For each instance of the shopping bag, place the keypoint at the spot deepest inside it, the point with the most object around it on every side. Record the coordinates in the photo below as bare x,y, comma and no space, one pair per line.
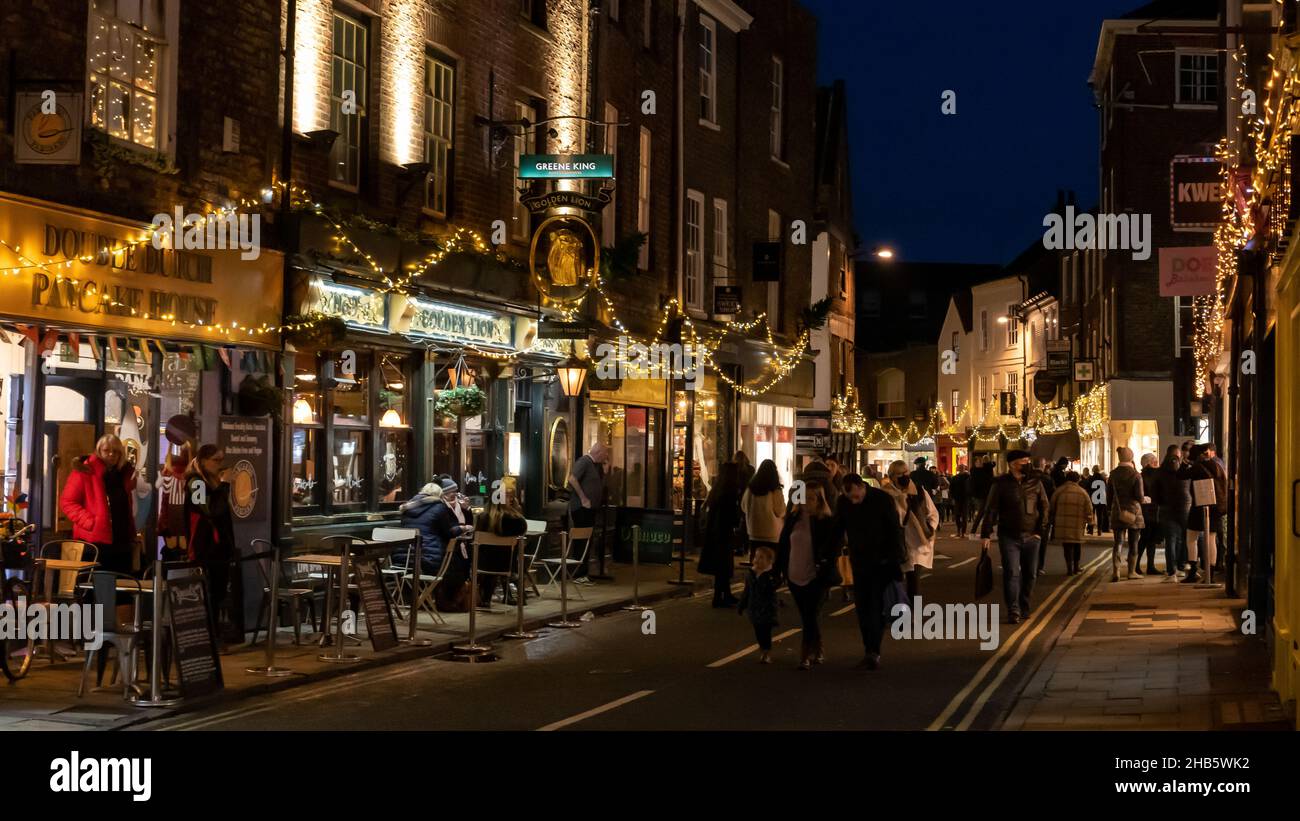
983,575
895,594
846,569
1203,492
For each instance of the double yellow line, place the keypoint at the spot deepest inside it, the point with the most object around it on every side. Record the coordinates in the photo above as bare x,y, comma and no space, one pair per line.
1025,637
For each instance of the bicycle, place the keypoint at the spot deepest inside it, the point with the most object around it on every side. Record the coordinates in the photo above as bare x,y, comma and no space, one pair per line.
16,654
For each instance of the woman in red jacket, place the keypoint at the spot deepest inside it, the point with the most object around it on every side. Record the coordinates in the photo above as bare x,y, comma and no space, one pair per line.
98,500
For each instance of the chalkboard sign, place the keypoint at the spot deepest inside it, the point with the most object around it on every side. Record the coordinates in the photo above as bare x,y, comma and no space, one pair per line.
661,535
193,645
374,599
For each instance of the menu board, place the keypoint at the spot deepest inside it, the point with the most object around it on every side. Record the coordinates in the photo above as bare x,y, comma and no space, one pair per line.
194,647
661,534
374,599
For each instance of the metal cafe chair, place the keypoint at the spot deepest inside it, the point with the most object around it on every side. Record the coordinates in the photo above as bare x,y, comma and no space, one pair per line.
555,564
537,535
67,586
124,638
294,597
492,541
395,572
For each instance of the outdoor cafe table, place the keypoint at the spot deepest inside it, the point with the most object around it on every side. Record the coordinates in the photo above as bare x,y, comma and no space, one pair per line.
324,560
49,567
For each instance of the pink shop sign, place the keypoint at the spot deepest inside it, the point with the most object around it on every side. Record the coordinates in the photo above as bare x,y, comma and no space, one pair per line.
1187,271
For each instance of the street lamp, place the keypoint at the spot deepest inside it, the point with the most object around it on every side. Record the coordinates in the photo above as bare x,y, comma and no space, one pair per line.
572,374
885,253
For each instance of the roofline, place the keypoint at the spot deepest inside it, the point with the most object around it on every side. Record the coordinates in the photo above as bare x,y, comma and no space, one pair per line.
727,13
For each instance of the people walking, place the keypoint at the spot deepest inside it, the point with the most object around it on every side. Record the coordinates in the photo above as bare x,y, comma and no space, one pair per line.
759,599
1071,513
924,479
722,517
1097,488
981,481
959,486
868,519
807,557
919,519
1150,511
1018,507
1173,503
1125,492
211,524
763,504
1204,519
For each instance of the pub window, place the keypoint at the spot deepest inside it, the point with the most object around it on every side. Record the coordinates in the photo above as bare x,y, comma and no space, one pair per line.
127,55
347,91
439,106
708,70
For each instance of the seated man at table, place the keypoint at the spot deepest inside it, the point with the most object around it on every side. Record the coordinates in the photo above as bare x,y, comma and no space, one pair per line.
429,514
505,518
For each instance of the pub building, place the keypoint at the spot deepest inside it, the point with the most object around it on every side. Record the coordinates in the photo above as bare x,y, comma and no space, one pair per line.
103,333
395,379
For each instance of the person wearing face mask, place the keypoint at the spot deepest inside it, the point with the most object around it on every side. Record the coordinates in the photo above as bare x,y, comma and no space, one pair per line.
919,519
1017,506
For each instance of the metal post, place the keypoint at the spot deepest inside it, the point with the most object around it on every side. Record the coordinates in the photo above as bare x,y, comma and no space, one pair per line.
636,570
564,589
155,698
272,616
519,632
413,613
340,657
473,651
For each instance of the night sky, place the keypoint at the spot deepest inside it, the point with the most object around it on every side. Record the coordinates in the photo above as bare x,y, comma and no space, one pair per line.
973,187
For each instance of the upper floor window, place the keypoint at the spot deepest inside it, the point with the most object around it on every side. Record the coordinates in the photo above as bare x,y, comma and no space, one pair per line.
439,106
721,243
956,345
348,99
693,284
1013,327
643,198
984,330
776,115
891,401
525,143
708,70
1198,77
534,11
126,56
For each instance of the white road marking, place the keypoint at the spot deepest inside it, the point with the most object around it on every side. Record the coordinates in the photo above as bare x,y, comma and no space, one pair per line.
604,708
957,700
962,562
843,610
751,648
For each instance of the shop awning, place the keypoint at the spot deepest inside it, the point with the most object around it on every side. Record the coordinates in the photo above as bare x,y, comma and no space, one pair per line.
1052,446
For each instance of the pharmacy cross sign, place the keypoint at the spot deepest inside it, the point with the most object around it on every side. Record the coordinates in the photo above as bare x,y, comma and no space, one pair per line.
566,166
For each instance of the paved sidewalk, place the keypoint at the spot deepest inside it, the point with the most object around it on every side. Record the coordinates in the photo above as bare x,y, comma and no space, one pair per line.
1151,654
47,698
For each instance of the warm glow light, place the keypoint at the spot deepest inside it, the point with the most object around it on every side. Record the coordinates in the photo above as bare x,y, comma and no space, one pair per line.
311,68
390,419
885,253
514,453
1002,320
404,64
302,414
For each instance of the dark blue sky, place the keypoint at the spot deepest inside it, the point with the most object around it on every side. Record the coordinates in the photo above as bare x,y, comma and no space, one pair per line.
971,187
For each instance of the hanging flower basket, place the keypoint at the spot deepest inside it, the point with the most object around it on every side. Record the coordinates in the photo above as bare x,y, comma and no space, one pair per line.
460,402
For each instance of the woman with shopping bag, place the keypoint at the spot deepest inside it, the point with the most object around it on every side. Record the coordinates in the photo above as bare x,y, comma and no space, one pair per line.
920,520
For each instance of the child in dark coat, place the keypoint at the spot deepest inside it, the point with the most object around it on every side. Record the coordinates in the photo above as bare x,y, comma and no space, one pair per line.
760,600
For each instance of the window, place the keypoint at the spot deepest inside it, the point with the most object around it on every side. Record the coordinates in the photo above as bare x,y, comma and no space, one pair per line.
955,404
776,115
773,288
525,143
721,247
891,402
1013,327
347,91
439,105
534,11
984,330
956,346
984,397
844,273
609,217
126,55
1013,382
708,70
643,198
1198,78
846,365
693,284
648,24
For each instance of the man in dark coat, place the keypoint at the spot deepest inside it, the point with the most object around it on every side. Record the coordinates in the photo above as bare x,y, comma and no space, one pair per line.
1172,506
981,480
926,480
868,518
959,487
1018,506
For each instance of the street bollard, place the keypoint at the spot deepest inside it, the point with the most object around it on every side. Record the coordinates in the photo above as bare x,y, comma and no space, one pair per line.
472,649
272,616
636,570
564,589
519,632
155,698
413,613
340,657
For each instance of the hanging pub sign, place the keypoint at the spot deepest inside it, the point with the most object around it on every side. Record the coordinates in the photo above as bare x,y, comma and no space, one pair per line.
563,260
1194,185
767,262
1044,388
566,166
1058,359
542,203
726,299
1007,403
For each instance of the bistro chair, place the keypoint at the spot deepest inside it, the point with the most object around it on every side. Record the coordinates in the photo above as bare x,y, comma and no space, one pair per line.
69,581
124,638
394,572
494,542
296,598
553,565
537,532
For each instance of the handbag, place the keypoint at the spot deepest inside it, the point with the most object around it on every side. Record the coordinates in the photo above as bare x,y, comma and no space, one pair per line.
1126,517
895,594
983,575
456,601
846,569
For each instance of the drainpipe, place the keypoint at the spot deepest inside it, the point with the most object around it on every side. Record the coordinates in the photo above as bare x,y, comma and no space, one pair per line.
678,150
